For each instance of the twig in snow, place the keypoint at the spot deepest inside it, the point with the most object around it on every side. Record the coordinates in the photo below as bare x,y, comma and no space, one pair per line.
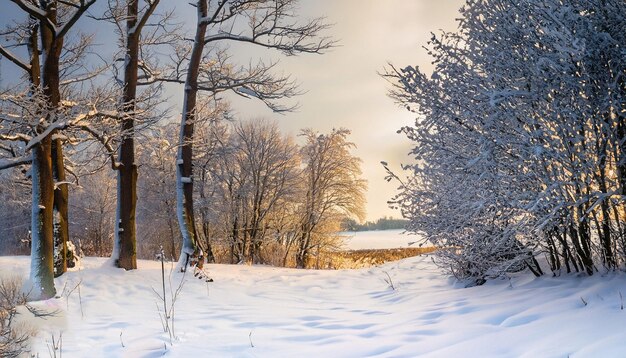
167,313
389,281
40,313
582,299
57,346
250,338
80,298
621,301
121,341
163,277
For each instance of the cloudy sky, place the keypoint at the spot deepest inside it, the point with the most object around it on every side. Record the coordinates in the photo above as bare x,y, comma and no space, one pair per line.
343,88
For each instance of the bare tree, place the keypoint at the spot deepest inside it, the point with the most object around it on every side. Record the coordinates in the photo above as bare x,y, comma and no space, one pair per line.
333,187
206,67
212,134
156,210
93,212
14,206
130,22
269,163
50,22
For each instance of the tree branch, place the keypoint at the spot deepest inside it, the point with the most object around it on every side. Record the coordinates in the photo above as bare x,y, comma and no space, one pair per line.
16,137
13,58
31,9
140,24
77,14
36,13
105,143
6,163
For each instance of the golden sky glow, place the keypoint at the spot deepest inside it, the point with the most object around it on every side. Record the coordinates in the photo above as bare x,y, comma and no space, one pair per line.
344,89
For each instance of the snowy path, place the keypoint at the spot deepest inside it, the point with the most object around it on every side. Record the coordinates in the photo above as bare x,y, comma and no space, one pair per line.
349,313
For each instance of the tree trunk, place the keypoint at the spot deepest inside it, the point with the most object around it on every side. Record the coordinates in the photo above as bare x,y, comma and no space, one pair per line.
302,256
125,249
210,256
184,160
235,257
52,47
206,232
61,227
605,233
170,226
127,202
42,244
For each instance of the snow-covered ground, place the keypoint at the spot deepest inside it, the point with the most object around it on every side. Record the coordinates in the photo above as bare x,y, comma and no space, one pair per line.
380,239
275,312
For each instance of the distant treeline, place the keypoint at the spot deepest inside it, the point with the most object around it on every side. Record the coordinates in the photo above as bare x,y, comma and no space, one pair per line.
384,223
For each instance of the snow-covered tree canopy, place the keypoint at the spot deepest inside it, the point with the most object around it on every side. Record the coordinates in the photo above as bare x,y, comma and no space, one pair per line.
520,138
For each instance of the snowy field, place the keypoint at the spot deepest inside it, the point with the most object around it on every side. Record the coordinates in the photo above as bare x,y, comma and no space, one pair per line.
275,312
381,239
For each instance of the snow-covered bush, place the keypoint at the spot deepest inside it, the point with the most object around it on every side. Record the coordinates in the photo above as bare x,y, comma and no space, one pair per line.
519,139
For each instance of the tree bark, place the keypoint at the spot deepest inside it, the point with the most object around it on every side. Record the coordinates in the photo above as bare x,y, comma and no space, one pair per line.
184,162
42,245
42,242
52,46
61,223
302,256
210,257
125,251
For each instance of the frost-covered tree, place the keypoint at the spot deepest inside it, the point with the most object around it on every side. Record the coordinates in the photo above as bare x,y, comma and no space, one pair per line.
519,138
252,169
213,134
40,114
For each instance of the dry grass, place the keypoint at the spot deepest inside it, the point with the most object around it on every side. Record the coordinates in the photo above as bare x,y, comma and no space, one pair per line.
365,258
274,254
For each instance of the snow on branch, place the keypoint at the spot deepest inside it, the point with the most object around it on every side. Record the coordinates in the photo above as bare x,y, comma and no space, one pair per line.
30,9
40,14
144,18
13,58
78,122
268,26
6,163
81,7
16,137
51,128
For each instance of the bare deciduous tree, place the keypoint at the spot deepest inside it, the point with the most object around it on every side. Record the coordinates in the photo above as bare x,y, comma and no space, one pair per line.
206,67
50,22
333,186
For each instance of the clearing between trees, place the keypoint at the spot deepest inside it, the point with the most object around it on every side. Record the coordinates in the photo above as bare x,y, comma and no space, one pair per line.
261,311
